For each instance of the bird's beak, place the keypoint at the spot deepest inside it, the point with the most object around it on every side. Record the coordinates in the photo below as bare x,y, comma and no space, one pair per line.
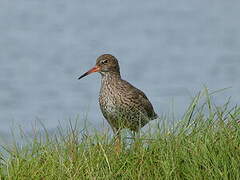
94,69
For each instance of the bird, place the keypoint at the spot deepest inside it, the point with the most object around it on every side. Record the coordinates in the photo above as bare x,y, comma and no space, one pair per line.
122,104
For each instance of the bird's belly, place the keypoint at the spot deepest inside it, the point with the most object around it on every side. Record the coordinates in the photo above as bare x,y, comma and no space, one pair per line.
119,114
119,117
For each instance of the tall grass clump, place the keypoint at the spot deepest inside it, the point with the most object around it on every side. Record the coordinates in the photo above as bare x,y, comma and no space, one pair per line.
204,144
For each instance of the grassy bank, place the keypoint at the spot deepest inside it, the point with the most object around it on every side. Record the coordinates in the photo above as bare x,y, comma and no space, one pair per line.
204,144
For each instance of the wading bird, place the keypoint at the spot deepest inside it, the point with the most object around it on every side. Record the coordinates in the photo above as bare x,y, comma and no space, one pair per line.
122,105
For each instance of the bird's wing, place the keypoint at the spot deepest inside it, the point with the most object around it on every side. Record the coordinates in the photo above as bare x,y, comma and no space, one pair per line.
139,99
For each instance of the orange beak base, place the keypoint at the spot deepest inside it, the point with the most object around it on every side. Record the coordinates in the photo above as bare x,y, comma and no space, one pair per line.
94,69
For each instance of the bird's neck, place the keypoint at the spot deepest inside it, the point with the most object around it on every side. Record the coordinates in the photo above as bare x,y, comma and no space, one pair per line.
110,76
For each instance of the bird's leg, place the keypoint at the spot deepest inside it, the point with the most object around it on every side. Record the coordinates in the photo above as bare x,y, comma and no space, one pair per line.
136,138
118,142
136,133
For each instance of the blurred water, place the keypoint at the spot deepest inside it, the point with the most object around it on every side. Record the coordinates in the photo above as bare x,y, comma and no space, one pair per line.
169,49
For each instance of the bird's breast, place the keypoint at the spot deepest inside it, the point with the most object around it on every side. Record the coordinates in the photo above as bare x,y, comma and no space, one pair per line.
107,100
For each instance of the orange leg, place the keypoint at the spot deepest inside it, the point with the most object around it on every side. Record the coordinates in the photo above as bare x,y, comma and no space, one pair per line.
136,138
118,143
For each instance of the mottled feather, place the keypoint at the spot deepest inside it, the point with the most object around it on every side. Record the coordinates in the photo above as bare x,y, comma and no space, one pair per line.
122,104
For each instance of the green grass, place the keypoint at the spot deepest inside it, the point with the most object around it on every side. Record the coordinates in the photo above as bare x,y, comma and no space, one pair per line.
204,144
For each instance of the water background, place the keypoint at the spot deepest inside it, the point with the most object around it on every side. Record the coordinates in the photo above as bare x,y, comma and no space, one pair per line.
168,49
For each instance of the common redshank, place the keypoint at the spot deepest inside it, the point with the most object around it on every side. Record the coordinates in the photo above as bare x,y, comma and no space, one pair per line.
122,104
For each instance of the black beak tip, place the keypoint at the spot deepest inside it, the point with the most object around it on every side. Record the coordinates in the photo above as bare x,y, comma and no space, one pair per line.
83,75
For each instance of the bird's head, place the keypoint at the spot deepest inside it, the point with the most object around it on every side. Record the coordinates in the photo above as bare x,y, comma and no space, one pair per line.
105,63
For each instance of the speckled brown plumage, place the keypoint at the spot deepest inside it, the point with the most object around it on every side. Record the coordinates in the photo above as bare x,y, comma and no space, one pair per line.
123,105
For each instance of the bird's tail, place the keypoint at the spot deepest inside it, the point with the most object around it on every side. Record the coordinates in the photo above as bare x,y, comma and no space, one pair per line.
155,116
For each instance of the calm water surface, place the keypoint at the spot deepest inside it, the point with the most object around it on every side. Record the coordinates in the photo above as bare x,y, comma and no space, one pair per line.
169,49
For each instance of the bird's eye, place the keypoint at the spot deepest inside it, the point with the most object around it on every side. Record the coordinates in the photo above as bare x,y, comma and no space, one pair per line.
105,61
